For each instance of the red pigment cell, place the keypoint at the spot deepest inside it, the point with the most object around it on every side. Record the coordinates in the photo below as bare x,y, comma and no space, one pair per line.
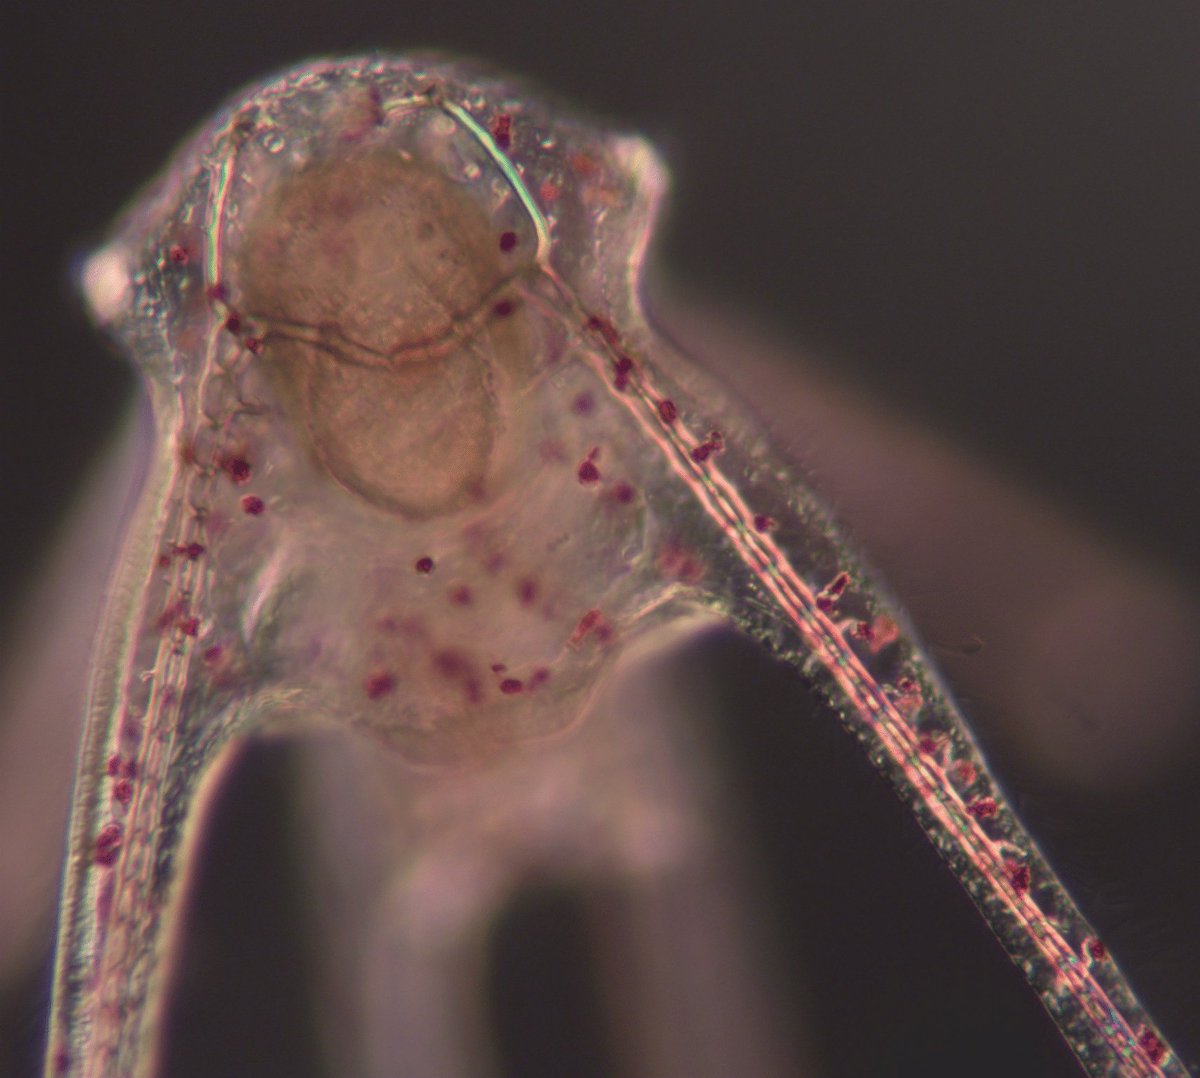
252,505
62,1061
527,592
984,808
173,612
508,240
179,255
828,596
253,344
591,622
108,844
962,772
539,677
622,367
452,664
549,192
461,596
588,473
217,292
378,685
1150,1043
510,686
123,791
233,324
714,443
503,308
129,769
114,765
667,411
681,564
877,634
763,523
502,130
498,668
191,551
189,626
237,468
1096,949
583,404
928,745
583,164
1017,875
424,565
164,560
603,327
622,493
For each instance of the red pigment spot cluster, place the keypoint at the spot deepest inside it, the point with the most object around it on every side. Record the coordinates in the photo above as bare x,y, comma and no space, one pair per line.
1017,875
763,523
424,565
667,411
379,685
253,505
714,443
502,130
983,808
622,367
108,844
591,624
828,596
1151,1044
508,241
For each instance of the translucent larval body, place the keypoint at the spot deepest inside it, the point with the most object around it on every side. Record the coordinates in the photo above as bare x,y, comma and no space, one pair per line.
424,472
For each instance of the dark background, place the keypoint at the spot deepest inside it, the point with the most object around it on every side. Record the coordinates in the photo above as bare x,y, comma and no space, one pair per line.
986,213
